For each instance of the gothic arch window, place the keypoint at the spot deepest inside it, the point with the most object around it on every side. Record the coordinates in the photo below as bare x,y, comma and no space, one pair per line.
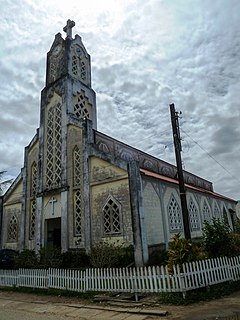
54,146
77,194
83,71
13,229
174,215
216,212
111,217
78,212
82,107
193,215
225,215
74,65
34,179
206,212
33,206
80,64
77,166
32,222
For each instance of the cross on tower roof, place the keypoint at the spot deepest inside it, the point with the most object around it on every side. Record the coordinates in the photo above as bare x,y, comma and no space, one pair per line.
68,28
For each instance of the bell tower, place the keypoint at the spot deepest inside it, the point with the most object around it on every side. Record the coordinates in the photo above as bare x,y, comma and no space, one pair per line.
67,102
69,58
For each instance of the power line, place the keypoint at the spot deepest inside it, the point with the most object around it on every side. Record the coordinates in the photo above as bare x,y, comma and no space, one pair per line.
201,147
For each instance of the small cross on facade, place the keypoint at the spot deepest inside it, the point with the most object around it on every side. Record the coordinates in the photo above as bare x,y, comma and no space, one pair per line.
68,28
52,201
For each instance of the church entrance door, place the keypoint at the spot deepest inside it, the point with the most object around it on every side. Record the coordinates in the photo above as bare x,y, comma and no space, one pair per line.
53,232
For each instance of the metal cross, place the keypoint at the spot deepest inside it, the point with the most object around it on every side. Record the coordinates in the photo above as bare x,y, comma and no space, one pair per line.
68,28
52,201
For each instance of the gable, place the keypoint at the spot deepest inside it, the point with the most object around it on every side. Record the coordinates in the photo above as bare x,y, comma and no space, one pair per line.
14,193
103,171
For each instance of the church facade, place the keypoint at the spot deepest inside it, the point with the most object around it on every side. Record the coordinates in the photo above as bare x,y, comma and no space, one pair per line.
79,186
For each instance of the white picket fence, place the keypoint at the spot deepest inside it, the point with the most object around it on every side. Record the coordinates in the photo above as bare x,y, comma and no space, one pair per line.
193,275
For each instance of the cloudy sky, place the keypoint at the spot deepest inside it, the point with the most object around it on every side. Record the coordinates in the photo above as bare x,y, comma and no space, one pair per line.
145,55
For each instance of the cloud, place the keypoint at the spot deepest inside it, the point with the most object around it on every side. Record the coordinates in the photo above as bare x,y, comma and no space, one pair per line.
145,55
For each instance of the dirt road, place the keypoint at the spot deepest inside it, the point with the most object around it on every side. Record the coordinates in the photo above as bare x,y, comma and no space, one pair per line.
22,306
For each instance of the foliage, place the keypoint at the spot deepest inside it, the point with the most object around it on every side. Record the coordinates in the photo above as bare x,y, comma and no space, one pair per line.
27,259
182,250
234,249
74,259
106,255
158,257
216,239
202,294
50,257
237,226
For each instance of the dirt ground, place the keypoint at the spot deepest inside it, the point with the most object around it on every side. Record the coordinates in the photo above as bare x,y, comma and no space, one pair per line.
224,308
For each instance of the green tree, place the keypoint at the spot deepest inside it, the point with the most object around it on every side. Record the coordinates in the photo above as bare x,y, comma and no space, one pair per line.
216,238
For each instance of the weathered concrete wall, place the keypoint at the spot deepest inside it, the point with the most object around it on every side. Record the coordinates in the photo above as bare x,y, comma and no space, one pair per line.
108,180
32,158
153,215
74,140
12,206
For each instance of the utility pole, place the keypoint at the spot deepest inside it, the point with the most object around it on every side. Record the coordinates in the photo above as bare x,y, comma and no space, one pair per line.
178,149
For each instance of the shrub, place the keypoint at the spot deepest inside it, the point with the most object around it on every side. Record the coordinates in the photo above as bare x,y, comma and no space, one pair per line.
237,225
106,255
216,239
27,259
182,250
50,257
234,249
158,257
75,259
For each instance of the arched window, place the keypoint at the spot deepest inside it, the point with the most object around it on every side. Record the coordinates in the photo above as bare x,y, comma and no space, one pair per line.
193,215
82,106
32,225
83,73
111,217
206,212
77,166
174,215
13,229
74,65
34,179
54,147
33,206
78,212
216,212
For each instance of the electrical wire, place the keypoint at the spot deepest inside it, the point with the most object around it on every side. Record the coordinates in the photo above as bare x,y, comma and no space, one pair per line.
214,159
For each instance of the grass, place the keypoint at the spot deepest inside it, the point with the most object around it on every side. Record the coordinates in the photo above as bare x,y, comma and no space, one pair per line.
203,294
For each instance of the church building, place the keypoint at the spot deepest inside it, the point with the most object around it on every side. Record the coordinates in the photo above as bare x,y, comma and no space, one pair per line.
79,186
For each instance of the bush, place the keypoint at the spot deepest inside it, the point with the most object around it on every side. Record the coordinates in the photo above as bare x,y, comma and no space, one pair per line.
216,239
75,259
106,255
50,257
158,257
234,249
27,259
237,226
182,250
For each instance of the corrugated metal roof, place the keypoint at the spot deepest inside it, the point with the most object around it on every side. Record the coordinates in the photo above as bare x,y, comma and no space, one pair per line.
175,181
